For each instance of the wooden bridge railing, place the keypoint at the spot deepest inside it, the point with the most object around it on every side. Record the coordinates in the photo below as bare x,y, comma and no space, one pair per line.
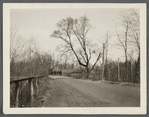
17,81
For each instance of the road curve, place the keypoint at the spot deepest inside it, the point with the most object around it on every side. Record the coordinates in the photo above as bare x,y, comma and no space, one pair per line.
70,92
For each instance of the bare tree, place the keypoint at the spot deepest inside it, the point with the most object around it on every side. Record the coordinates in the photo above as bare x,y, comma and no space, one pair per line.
105,42
65,55
134,21
70,30
40,62
123,39
129,38
17,52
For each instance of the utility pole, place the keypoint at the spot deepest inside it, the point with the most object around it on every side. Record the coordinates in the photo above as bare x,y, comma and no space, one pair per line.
103,62
131,71
109,71
106,52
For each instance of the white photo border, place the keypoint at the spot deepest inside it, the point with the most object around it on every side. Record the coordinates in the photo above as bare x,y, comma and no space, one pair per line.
74,110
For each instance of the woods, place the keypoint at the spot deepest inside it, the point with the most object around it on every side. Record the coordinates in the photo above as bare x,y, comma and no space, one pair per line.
77,50
127,33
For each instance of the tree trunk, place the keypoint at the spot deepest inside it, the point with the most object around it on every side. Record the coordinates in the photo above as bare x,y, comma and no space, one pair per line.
108,71
103,62
126,65
87,73
118,71
107,55
138,69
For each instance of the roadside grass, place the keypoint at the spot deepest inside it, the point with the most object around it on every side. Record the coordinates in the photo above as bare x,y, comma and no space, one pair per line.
24,94
97,77
46,92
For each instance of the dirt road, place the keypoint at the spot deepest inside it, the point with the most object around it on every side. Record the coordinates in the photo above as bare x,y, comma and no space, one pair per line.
70,92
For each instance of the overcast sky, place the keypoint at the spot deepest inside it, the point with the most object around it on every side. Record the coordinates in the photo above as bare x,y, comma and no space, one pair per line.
41,23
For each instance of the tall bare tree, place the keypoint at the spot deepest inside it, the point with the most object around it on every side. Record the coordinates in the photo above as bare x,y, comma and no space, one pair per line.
129,38
41,62
105,42
70,30
17,51
134,21
123,39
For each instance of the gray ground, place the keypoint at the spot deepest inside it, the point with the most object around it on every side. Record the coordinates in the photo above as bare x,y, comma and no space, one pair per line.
69,92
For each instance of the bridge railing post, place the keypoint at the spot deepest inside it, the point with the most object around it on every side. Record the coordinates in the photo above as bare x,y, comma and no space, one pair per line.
31,88
36,84
17,90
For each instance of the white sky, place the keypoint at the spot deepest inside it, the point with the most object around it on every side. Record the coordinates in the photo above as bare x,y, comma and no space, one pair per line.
41,23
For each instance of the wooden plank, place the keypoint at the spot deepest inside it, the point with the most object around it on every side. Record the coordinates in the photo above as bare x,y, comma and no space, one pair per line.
22,79
31,87
18,79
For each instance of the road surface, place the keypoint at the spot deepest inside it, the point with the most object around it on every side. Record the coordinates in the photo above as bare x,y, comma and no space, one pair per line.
61,91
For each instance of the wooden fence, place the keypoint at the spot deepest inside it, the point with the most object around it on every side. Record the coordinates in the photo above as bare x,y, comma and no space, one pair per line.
33,87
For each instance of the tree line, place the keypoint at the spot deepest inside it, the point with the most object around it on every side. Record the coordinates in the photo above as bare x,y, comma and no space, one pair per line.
26,58
127,32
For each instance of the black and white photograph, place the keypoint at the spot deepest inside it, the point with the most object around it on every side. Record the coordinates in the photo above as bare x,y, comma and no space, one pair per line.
74,58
